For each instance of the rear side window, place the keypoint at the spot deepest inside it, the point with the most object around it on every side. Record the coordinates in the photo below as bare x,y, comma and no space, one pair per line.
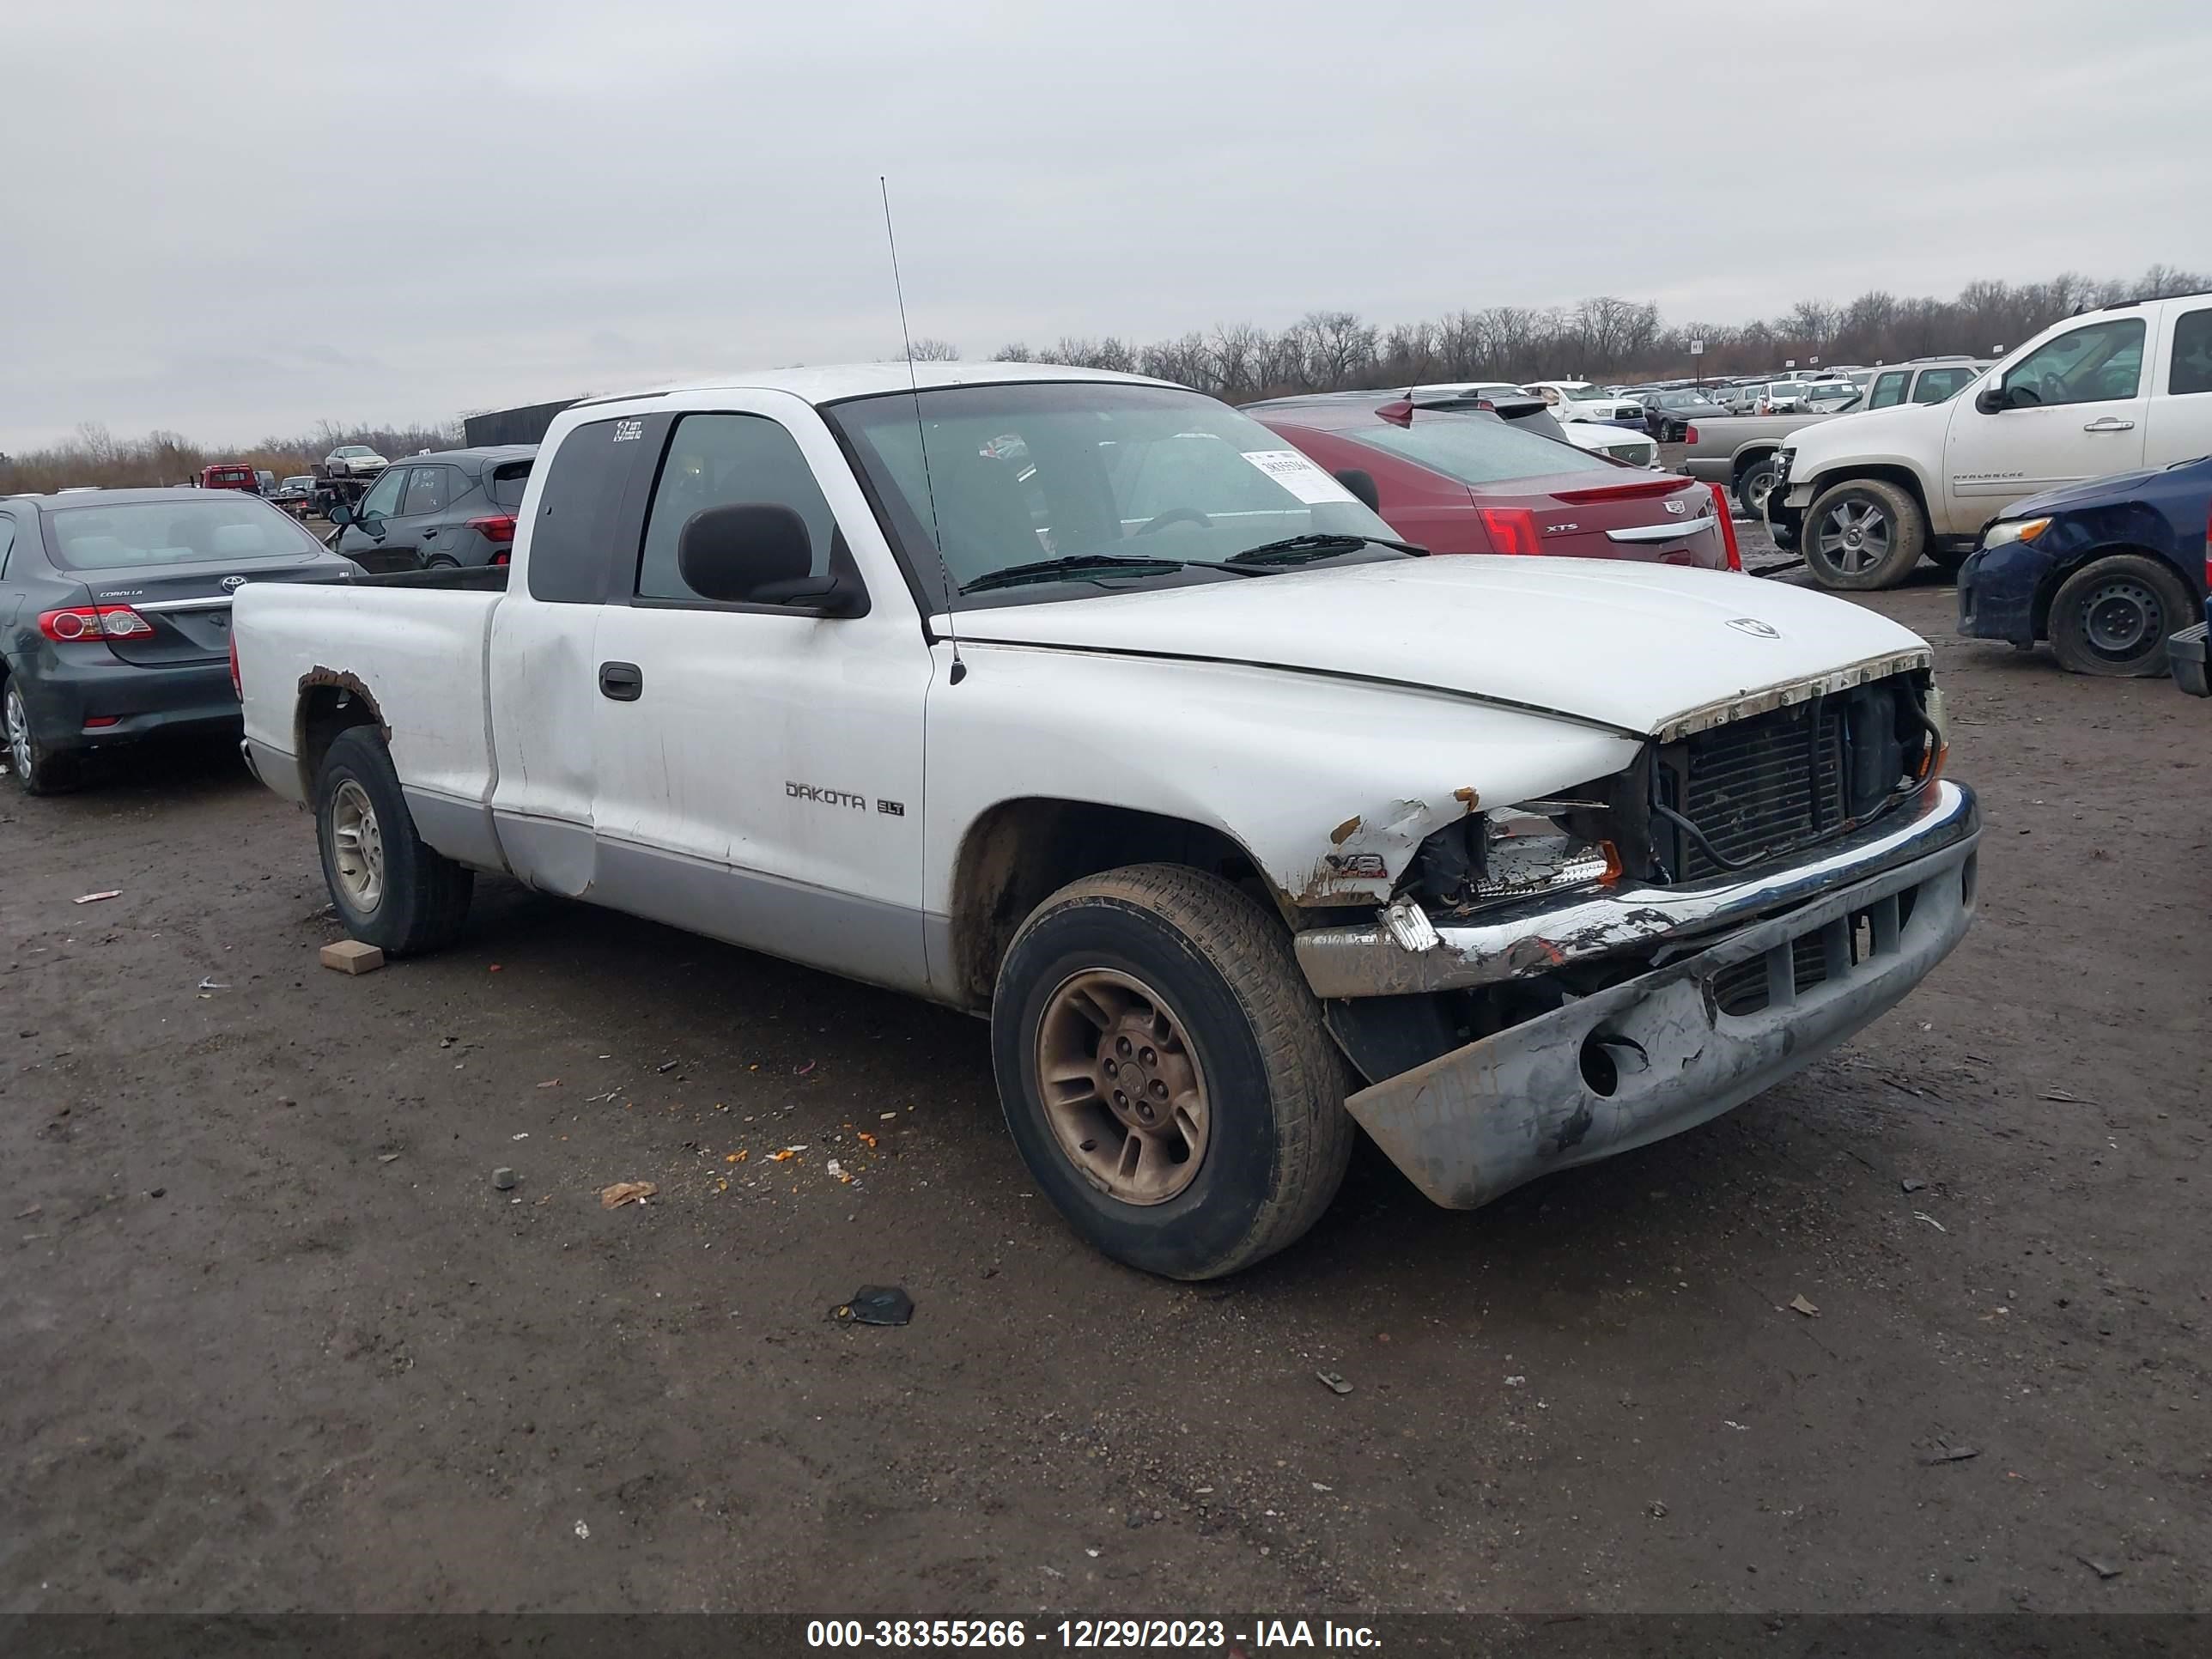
720,460
507,483
1476,449
2191,369
1888,389
429,489
582,510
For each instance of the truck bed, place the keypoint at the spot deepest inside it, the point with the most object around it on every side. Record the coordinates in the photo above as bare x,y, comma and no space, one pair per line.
426,635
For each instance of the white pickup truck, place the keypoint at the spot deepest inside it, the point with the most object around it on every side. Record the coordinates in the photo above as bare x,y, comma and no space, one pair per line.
1242,823
2117,389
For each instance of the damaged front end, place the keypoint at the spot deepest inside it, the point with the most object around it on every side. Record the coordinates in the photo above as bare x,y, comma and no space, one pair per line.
1564,978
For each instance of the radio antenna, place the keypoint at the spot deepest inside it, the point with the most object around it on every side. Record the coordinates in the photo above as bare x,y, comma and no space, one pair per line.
959,672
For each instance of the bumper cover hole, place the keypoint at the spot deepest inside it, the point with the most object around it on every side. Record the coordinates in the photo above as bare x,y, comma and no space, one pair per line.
1607,1059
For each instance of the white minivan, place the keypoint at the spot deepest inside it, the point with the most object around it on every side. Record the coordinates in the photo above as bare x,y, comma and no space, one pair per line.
2103,391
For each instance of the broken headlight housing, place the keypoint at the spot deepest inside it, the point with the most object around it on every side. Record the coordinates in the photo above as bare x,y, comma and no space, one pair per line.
1512,853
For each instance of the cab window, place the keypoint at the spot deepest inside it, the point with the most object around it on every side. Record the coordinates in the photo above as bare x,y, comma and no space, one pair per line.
2095,364
720,460
1888,389
1937,384
2191,368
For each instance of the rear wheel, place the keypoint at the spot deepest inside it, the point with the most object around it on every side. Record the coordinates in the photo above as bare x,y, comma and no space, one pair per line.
1863,535
1755,484
1165,1072
39,768
2112,617
441,562
391,889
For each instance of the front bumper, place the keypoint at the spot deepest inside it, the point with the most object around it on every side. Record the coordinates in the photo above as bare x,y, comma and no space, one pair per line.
2184,660
1996,594
1657,1054
1404,953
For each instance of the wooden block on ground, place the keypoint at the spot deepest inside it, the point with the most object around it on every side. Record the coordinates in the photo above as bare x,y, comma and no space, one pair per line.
350,956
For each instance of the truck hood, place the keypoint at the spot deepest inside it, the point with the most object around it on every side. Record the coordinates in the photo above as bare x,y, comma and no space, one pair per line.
1901,427
1650,649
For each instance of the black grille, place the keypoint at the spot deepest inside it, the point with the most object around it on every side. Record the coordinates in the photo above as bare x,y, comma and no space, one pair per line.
1759,787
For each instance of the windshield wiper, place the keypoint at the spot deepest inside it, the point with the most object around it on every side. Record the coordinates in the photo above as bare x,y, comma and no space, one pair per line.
1304,550
1045,570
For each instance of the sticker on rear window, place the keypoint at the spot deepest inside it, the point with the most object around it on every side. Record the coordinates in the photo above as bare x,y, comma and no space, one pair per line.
1298,474
628,431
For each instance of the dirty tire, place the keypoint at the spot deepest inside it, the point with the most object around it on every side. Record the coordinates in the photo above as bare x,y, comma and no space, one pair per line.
1278,1138
2112,617
424,895
1753,486
37,767
1868,503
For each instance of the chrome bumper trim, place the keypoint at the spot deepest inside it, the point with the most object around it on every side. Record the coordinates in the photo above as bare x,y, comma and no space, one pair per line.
1536,935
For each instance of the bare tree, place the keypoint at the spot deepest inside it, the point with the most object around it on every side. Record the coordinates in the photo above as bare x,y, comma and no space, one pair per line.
928,351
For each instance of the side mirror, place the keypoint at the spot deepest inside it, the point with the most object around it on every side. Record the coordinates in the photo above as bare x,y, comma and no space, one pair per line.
341,513
1992,400
1361,483
757,553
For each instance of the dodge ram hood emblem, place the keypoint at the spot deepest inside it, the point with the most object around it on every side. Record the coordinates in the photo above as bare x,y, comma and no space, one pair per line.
1752,625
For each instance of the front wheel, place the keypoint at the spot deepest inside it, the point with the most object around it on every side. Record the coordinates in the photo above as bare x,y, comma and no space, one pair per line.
1165,1073
1754,485
2112,617
1863,535
391,889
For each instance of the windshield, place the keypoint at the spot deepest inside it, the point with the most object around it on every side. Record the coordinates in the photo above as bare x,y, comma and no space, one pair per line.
1475,450
1830,389
1786,389
298,480
174,532
1023,473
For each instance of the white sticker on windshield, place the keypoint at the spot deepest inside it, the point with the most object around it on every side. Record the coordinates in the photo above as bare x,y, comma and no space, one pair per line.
1298,474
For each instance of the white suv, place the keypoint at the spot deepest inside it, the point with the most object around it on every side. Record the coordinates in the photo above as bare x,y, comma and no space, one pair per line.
2111,391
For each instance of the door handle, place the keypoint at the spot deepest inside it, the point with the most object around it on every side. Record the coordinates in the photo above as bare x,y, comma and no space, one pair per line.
2109,424
431,534
621,681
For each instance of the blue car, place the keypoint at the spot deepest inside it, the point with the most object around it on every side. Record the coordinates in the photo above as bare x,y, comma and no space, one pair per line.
2106,570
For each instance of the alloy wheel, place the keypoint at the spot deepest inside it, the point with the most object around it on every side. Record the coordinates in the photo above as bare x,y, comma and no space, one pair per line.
1121,1086
1854,536
357,847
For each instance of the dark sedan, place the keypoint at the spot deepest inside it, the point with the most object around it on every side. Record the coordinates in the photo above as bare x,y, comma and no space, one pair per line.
434,512
1667,414
2106,570
115,616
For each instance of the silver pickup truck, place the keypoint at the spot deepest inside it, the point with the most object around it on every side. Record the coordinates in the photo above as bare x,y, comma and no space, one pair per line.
1738,452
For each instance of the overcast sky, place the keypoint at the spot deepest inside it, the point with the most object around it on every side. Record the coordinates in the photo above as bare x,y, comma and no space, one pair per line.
236,220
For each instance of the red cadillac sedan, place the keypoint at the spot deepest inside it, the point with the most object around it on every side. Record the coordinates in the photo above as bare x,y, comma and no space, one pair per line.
1462,481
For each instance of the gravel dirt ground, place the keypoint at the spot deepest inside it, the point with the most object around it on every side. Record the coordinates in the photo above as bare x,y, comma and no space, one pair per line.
272,1338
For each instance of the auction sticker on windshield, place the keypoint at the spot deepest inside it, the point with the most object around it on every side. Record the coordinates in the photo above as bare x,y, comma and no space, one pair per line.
1298,474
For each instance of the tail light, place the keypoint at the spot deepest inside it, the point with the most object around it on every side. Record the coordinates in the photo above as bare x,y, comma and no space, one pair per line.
502,558
497,527
1689,435
236,690
1511,529
94,622
1728,527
